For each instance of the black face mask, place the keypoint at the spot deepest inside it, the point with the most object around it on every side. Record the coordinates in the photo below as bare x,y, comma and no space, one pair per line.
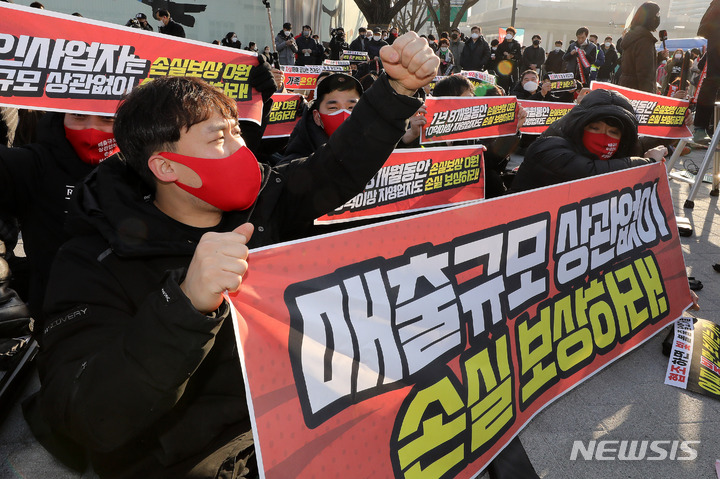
536,42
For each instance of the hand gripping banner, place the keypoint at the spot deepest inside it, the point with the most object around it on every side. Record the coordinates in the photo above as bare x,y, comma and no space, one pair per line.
53,61
417,180
419,348
658,116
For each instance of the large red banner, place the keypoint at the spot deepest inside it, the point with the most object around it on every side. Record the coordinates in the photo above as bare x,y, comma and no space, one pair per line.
658,116
468,118
417,180
419,348
52,61
542,114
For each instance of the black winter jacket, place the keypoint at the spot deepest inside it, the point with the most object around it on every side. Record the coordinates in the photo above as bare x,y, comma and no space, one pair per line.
559,155
36,183
129,369
475,55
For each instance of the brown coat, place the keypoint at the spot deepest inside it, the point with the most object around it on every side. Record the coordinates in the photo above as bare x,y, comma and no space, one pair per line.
639,60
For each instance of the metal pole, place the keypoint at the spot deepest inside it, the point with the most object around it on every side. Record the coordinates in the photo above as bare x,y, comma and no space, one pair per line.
512,15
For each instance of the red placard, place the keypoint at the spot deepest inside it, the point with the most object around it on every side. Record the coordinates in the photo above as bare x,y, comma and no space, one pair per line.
542,114
658,116
469,118
417,180
301,77
52,61
285,114
421,347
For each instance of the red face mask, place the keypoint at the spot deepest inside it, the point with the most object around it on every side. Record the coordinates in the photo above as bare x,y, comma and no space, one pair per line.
91,145
332,121
230,183
600,144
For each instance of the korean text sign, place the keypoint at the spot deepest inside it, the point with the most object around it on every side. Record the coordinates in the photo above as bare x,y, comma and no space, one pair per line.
464,118
542,114
419,348
658,116
417,180
53,61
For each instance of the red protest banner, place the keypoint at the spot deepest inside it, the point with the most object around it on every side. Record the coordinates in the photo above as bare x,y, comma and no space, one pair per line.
52,61
469,118
301,77
285,113
420,347
542,114
658,116
417,180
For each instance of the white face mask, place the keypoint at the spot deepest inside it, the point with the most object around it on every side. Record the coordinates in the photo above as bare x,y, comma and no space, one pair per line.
608,44
678,56
287,34
557,49
509,36
384,37
234,39
376,37
443,49
530,86
474,36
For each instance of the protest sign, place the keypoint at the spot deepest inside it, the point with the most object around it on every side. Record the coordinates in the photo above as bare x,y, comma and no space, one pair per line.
466,118
562,82
301,77
475,77
694,362
285,113
658,116
420,347
354,57
542,114
52,61
336,66
417,180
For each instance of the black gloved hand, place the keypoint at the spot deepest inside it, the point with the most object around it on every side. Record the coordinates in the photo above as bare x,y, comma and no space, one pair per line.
261,78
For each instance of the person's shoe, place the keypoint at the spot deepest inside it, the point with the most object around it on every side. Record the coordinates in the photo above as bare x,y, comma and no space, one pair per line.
701,137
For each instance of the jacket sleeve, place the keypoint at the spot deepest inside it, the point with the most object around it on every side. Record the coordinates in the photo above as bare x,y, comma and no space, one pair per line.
485,60
645,67
110,368
280,44
20,169
341,168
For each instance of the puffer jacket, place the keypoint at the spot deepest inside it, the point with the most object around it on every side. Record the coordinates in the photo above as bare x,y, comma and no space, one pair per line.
129,370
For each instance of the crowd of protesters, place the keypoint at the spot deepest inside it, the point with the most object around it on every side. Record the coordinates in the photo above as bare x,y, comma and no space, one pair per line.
126,406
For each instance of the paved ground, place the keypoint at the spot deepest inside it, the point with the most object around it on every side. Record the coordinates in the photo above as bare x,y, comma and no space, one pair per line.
626,401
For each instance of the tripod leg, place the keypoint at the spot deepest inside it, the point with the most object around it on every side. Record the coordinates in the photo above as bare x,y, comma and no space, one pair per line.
690,202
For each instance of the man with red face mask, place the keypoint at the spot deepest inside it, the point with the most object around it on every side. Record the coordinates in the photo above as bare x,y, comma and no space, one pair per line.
598,136
336,96
37,181
139,364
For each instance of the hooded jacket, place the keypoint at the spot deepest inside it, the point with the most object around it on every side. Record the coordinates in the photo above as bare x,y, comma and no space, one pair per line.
129,369
639,60
36,183
559,155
